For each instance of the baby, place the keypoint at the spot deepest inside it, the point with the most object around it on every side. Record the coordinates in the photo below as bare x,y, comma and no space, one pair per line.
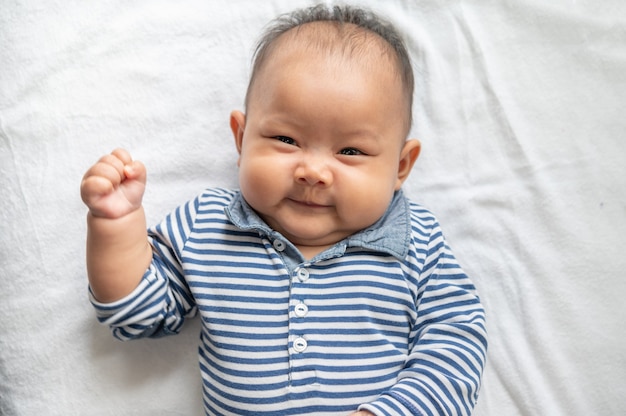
322,290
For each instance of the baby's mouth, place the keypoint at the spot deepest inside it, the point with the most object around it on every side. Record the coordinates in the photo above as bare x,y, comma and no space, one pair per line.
308,203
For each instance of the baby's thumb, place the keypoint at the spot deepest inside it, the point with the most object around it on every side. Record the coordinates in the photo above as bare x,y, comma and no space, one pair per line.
136,171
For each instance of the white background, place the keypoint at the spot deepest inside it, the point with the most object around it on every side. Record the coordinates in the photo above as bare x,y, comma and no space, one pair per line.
520,108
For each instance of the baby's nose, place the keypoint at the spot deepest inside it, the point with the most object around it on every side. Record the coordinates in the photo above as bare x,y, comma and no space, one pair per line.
313,170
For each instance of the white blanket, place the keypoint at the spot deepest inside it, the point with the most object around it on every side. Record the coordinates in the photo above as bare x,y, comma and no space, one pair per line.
520,108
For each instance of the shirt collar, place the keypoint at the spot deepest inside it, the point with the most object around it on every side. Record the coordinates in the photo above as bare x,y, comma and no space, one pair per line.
390,234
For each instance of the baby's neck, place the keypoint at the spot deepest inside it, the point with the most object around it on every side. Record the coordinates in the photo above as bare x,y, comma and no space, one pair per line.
308,252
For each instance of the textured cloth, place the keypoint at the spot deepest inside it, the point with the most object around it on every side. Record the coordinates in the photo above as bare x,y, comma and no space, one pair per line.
386,317
519,106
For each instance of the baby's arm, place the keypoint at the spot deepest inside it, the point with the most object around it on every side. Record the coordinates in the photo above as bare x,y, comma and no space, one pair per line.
118,252
448,342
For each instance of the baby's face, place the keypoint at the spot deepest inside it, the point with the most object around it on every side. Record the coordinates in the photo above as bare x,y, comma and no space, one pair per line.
321,145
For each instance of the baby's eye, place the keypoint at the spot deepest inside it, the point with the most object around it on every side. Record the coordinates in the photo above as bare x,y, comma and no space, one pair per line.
351,151
285,139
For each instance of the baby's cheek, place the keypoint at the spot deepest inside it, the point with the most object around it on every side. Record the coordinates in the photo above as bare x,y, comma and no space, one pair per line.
255,178
364,205
257,181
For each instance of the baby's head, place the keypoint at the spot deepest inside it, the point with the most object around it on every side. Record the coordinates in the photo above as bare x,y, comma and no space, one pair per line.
347,32
323,144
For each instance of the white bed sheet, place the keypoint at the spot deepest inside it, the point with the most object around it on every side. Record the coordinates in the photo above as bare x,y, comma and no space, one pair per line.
520,109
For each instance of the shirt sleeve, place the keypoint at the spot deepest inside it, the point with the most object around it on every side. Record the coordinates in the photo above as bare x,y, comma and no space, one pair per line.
162,300
443,371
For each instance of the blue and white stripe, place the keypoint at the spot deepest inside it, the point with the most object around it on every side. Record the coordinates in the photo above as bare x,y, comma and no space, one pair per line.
396,331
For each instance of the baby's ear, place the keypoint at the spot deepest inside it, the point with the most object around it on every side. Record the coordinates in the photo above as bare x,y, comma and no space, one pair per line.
238,125
408,156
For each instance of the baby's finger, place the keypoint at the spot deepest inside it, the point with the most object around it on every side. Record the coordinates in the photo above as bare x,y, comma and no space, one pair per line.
93,188
115,162
136,171
123,155
108,167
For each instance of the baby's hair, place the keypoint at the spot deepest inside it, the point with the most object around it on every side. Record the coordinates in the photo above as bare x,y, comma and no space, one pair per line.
340,15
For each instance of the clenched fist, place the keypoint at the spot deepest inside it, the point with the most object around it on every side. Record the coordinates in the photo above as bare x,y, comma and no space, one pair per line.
114,186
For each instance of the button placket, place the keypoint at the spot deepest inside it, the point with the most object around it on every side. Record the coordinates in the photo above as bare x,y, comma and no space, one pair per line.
299,344
302,274
301,309
279,245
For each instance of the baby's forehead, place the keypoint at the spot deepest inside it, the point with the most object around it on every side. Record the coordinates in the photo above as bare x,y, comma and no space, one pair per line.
344,47
343,40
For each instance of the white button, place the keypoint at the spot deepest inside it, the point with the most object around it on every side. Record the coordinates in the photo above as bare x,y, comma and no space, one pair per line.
301,310
303,274
299,344
279,245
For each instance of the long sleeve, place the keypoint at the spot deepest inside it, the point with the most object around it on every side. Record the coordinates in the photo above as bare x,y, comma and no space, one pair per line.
443,370
385,320
162,301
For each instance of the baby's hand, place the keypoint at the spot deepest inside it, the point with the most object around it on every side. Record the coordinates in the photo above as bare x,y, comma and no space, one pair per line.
114,186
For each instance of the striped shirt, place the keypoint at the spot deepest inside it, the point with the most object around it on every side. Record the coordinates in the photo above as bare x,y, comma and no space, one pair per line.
385,321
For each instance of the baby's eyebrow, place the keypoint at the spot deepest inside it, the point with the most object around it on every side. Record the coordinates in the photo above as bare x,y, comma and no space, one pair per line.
278,120
361,134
